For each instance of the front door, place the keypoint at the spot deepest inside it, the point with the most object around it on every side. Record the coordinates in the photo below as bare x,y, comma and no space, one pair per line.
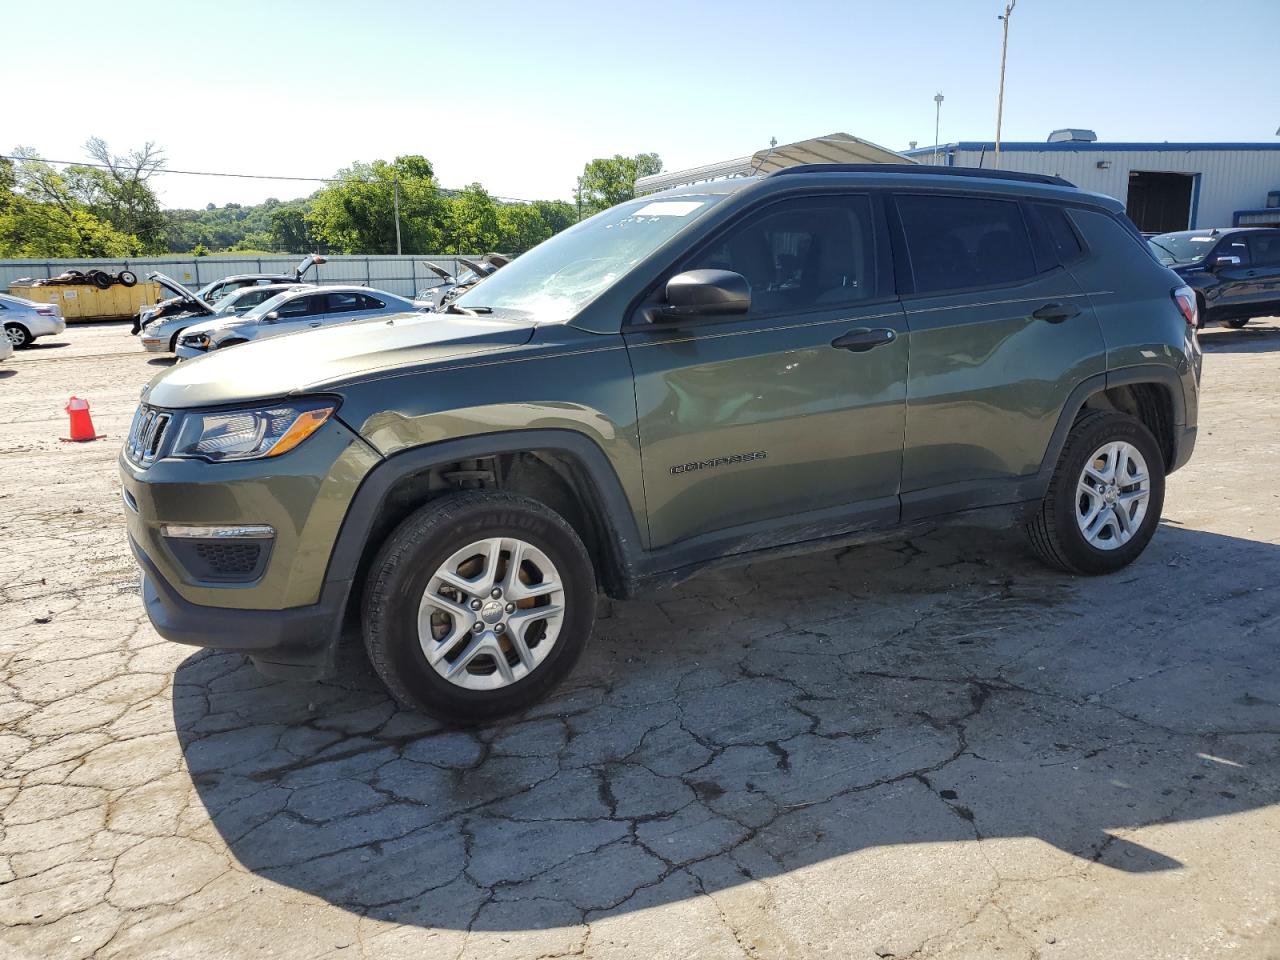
1264,254
753,421
1236,288
300,313
1000,335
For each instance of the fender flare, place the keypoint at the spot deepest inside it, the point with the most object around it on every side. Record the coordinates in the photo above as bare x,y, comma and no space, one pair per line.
1162,374
613,507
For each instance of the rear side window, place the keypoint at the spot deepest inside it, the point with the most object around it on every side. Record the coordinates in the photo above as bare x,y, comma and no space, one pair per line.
1265,249
960,242
1056,229
302,307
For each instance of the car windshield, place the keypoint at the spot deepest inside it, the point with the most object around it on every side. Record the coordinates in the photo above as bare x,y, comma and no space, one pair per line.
560,276
1181,247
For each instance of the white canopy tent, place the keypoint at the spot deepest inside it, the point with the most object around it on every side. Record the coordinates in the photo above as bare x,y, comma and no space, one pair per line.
833,148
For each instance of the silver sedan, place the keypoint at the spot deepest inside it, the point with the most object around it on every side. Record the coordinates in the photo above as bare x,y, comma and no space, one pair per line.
25,320
292,312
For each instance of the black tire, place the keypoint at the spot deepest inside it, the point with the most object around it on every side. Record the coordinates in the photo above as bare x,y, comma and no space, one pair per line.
173,341
18,335
1238,323
228,343
127,278
403,569
1053,531
1202,310
100,280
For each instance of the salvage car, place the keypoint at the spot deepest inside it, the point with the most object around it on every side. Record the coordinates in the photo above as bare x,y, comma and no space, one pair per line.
292,311
727,372
26,320
161,336
1235,272
453,286
214,291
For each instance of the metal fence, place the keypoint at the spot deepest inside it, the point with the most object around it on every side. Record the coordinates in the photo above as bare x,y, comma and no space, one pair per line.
403,275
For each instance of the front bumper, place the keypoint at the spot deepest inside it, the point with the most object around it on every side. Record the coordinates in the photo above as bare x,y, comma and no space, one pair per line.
155,344
299,643
187,352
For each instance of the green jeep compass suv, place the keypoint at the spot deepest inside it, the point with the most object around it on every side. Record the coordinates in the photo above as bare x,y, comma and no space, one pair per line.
719,373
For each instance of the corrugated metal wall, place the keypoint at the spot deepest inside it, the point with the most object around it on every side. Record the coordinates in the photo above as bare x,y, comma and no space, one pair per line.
401,275
1230,180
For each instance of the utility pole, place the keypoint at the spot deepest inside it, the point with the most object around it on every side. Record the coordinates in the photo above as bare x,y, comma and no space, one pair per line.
1004,53
937,123
395,184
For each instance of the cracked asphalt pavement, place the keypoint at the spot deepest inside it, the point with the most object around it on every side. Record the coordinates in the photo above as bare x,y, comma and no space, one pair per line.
934,748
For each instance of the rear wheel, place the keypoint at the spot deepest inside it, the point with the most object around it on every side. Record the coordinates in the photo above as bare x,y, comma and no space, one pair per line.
18,335
1237,323
1105,498
477,605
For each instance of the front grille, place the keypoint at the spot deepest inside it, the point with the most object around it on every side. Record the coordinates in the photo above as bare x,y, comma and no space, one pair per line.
229,559
146,435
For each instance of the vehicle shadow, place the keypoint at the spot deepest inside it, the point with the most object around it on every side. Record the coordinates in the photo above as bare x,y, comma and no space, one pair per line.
760,720
6,374
1257,337
47,345
162,362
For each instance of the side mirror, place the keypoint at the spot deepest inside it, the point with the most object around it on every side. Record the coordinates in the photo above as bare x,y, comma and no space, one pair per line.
706,293
271,317
1226,260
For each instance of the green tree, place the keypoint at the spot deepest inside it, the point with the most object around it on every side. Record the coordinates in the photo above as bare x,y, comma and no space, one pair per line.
356,214
289,228
36,224
525,225
471,222
606,181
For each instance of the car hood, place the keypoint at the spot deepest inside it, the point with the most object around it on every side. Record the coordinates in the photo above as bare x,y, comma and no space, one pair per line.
318,359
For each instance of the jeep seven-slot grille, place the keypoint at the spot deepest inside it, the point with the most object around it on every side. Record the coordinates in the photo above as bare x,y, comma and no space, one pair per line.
146,435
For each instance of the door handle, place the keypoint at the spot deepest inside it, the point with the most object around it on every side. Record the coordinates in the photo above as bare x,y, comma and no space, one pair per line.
314,323
862,339
1056,312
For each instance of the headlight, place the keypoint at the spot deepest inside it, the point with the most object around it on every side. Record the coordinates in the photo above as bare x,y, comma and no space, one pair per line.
195,339
250,434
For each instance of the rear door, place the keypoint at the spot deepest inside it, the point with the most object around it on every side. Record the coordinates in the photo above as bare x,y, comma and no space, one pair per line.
1233,267
751,422
345,306
1000,335
1264,254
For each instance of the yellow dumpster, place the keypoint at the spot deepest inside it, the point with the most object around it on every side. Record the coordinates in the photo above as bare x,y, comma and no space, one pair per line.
84,301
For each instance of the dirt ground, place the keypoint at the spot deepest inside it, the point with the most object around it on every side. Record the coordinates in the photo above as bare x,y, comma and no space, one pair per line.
926,749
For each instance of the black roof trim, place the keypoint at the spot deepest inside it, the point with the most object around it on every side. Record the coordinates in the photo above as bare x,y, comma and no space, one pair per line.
923,169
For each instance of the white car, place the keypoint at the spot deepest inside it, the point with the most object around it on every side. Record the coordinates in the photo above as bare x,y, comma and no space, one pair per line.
293,311
25,320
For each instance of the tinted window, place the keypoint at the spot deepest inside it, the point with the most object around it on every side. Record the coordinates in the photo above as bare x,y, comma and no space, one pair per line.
370,303
345,302
800,254
1056,229
1265,249
301,307
959,242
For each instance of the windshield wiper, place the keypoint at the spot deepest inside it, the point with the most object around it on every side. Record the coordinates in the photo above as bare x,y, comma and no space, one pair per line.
470,311
1164,248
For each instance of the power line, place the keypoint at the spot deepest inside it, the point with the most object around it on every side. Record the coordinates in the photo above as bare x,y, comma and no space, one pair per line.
209,173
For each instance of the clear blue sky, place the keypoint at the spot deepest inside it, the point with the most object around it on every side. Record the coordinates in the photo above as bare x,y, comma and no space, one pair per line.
518,95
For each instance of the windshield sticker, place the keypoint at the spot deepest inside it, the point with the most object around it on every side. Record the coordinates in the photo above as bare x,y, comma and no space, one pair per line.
1202,239
668,208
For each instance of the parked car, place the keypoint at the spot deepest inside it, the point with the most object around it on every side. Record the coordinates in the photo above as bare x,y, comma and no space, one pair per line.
292,311
161,336
721,373
212,292
1235,272
25,320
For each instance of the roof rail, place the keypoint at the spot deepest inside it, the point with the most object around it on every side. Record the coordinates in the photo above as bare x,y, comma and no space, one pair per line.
922,169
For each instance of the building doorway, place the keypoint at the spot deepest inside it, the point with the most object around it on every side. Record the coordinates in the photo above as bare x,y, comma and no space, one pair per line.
1160,202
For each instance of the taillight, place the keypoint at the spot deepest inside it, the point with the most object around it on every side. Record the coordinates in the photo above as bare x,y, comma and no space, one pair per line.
1185,298
44,311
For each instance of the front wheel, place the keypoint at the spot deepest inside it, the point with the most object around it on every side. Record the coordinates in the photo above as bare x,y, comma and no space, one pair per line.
1238,323
18,335
477,605
1105,498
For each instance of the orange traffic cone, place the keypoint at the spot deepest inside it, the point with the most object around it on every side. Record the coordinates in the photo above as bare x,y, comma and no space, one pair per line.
81,422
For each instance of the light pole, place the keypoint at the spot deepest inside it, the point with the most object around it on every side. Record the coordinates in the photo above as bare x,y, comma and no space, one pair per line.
937,123
1004,52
